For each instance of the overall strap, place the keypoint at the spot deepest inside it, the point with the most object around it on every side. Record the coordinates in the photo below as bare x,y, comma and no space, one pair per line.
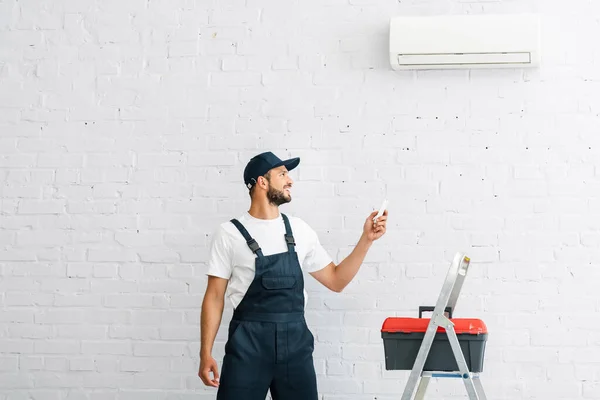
289,237
251,242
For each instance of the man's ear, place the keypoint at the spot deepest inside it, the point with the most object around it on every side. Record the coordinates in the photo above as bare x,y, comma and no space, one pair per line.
262,181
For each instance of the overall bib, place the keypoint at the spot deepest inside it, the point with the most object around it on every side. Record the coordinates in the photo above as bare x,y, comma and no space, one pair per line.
269,344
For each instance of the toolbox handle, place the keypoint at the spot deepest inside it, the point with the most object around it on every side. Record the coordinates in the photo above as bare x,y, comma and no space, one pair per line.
432,308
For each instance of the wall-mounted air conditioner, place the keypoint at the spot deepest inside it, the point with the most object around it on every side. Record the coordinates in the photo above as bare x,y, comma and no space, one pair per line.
464,41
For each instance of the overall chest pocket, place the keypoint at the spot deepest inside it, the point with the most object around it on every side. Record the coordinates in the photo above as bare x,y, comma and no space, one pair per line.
278,282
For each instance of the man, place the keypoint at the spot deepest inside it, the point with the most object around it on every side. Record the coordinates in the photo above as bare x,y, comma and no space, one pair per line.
260,258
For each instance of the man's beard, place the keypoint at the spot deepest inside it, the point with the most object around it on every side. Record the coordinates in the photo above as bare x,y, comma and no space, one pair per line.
277,197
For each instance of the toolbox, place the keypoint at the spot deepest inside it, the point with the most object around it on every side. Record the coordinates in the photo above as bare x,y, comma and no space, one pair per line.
402,338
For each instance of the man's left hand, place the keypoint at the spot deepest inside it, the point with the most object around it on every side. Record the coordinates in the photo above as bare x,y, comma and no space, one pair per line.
375,230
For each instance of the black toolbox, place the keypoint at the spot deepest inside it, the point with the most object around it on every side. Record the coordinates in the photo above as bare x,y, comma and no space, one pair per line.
402,338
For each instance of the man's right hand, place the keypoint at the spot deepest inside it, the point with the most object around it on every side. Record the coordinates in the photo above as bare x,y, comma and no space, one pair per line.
208,365
210,319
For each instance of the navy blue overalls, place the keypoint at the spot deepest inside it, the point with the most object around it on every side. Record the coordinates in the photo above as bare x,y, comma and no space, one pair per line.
269,344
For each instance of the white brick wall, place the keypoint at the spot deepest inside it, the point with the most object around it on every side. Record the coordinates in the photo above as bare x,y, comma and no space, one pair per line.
124,129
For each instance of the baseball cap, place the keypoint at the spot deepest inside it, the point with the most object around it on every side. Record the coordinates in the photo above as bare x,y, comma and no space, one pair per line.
262,163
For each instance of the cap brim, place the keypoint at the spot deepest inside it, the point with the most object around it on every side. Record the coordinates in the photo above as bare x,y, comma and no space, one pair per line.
289,164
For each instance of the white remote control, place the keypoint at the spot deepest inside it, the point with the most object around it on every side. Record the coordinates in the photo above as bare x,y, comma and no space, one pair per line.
381,210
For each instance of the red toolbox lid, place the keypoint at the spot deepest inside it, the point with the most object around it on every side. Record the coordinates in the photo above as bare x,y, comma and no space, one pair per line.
411,325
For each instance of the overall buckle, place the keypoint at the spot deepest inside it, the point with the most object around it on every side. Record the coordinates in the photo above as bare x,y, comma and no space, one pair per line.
253,245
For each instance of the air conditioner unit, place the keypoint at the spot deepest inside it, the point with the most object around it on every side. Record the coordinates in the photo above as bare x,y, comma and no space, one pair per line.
464,41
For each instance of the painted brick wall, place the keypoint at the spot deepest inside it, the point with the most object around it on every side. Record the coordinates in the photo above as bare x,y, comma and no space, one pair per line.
125,126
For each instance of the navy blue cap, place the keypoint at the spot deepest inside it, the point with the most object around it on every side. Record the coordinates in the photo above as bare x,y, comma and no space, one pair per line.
262,163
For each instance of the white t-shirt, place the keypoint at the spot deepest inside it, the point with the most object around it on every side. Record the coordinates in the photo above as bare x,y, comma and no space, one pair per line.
231,258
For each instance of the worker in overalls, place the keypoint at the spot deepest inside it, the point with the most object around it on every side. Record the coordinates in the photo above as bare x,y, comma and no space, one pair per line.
259,258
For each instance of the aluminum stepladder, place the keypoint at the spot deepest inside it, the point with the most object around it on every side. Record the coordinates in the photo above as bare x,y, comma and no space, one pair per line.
447,300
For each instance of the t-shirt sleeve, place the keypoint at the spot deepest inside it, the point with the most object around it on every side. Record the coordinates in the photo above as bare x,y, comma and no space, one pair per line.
317,257
220,255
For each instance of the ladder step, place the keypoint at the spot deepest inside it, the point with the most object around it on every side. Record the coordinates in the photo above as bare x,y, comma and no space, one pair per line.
444,374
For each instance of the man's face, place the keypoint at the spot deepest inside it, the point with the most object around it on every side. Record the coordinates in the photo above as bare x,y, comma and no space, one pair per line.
280,185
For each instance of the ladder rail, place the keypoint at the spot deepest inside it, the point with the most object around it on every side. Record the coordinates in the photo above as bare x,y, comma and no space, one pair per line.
422,388
419,364
479,388
462,364
462,268
447,290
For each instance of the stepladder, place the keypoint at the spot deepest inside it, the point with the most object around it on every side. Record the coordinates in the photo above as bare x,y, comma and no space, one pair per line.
440,346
